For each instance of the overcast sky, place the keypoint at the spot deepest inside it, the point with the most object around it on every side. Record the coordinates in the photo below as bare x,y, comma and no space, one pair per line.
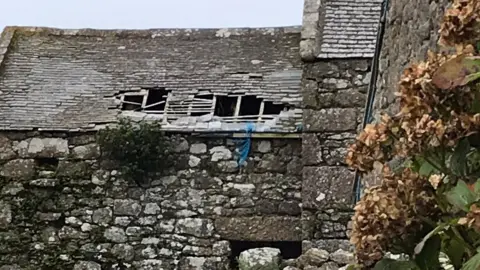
138,14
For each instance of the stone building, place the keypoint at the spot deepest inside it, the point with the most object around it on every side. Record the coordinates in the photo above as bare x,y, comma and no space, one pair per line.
300,91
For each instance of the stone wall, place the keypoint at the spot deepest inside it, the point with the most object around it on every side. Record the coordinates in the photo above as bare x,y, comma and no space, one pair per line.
62,207
334,94
411,29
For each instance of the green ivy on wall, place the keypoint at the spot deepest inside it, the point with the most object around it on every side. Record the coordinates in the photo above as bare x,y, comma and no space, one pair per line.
141,150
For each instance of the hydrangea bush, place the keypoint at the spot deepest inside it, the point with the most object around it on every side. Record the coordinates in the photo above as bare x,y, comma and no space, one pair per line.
426,206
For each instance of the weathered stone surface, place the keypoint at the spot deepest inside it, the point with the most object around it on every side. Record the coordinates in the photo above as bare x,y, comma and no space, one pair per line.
350,98
6,149
228,166
11,267
43,147
330,245
86,265
102,216
202,263
5,214
92,208
198,148
89,151
329,266
342,257
74,170
195,226
289,208
181,145
291,268
115,234
151,209
264,146
327,186
333,119
311,149
220,153
259,259
19,169
44,182
123,252
259,228
221,248
402,46
126,208
194,161
313,257
12,189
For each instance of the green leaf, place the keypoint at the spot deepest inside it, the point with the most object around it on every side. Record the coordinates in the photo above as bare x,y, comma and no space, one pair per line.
353,267
455,251
472,77
476,104
460,196
439,228
473,263
476,190
426,169
458,161
389,264
427,259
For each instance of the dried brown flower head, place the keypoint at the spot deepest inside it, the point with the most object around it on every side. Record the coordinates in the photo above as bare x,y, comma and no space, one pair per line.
388,211
460,23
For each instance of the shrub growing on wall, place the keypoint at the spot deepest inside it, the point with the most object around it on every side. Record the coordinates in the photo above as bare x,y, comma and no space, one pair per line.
141,150
428,204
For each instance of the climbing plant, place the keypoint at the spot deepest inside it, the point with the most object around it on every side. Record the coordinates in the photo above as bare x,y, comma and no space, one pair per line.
427,205
141,150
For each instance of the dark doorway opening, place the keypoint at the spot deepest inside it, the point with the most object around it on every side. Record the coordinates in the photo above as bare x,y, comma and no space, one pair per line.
272,108
288,249
156,99
225,106
250,105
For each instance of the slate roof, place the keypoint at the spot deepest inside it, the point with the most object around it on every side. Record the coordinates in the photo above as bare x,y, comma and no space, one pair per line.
56,79
340,28
348,28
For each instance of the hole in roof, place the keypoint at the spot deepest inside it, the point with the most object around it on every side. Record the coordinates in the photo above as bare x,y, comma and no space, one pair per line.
156,99
250,105
202,104
225,106
131,102
272,108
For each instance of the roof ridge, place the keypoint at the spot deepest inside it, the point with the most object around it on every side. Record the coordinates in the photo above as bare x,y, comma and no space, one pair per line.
221,32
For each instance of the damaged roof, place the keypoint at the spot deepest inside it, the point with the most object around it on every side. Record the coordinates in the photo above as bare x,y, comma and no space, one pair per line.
341,28
56,79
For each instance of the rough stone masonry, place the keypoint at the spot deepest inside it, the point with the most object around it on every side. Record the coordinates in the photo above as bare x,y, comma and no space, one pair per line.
61,208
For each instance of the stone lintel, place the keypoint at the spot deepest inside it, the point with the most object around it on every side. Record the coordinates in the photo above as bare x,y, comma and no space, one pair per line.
268,228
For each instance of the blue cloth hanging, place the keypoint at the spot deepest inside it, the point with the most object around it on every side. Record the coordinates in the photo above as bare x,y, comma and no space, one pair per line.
244,145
